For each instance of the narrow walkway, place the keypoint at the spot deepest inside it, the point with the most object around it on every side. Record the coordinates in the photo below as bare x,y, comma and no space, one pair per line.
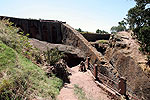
84,81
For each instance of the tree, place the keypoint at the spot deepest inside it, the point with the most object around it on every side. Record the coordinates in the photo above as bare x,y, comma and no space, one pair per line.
97,31
114,29
121,27
138,18
101,31
79,30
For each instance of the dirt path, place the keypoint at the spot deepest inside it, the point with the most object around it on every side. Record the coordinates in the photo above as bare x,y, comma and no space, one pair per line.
84,81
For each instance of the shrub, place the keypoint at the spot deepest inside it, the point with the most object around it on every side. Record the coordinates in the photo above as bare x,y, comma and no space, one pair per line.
52,56
141,49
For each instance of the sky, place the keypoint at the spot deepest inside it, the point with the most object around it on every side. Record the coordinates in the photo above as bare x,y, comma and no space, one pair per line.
89,15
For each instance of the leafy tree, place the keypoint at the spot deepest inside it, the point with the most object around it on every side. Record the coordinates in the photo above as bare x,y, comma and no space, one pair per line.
53,55
97,31
121,27
138,18
79,30
101,31
114,29
122,24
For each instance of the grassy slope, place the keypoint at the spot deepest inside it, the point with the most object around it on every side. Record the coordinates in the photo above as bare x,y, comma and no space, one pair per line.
20,78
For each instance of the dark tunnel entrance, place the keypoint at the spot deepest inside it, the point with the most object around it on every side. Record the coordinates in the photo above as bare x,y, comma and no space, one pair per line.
72,59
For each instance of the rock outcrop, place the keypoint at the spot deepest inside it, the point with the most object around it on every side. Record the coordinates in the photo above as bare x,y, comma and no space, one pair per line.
73,56
124,55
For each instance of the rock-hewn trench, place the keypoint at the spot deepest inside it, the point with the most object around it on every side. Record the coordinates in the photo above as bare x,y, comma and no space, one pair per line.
122,52
72,76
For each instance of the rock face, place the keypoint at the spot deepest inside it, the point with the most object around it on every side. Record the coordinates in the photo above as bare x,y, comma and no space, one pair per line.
42,45
124,55
45,30
92,37
73,55
74,38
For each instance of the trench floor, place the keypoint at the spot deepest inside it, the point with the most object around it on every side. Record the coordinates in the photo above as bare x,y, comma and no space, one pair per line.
85,81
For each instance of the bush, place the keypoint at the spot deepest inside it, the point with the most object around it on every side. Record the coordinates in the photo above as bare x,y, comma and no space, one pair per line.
141,49
52,56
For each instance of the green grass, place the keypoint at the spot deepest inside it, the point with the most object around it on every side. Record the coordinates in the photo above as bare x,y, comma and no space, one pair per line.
80,93
9,35
19,77
20,73
102,41
7,56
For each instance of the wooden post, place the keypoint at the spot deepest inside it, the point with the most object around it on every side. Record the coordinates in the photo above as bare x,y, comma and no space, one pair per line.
87,62
95,71
122,86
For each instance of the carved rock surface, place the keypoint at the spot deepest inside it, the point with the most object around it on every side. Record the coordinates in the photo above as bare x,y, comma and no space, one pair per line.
126,61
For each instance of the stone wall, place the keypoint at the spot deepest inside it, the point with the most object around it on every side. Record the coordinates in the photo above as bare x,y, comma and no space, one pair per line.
45,30
93,36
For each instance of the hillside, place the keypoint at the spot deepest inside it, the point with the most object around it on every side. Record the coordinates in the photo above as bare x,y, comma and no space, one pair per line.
19,77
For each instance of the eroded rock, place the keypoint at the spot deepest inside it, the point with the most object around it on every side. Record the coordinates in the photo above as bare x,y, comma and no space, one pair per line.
125,57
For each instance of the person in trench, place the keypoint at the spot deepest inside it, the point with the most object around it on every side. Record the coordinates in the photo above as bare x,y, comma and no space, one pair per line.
82,67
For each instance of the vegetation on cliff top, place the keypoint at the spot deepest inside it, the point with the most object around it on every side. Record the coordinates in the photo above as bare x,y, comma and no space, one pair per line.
121,27
97,31
138,18
19,77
